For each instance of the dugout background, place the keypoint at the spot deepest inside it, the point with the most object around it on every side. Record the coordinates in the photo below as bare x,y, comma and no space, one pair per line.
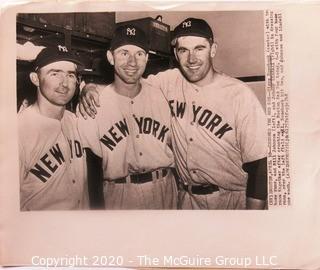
239,35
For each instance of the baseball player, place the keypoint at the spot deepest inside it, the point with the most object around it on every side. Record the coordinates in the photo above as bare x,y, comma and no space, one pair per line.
128,142
218,126
52,162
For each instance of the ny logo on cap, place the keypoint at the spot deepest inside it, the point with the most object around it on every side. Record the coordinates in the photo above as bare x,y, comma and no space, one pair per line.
62,48
131,31
186,24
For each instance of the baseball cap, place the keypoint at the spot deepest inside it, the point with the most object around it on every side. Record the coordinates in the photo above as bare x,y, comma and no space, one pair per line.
54,54
192,27
129,34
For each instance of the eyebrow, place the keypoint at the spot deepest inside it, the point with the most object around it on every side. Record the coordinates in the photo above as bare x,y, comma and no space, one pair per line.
200,46
182,48
124,50
60,70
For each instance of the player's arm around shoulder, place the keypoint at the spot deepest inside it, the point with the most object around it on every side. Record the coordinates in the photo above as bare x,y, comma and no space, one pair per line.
89,99
164,79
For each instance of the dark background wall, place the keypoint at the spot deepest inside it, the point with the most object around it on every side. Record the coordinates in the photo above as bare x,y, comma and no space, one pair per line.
240,39
239,35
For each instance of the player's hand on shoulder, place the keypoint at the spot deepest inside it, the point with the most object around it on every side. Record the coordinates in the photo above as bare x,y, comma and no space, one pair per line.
89,100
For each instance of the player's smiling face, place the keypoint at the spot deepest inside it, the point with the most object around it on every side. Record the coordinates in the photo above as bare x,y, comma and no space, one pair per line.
129,62
194,55
57,82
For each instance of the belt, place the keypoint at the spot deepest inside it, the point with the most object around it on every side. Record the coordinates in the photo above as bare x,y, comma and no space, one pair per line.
140,178
200,189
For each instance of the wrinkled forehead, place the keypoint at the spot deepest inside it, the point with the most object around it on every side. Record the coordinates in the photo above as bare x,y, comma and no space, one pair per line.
66,66
192,41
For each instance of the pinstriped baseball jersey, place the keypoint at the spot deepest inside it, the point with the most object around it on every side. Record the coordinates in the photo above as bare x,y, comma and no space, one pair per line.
215,129
132,136
52,163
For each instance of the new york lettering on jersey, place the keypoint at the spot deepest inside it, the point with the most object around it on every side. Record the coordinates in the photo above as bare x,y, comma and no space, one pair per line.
120,130
202,116
52,168
54,158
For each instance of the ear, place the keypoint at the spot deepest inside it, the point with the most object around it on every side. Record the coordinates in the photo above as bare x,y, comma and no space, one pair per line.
110,57
213,49
34,78
175,53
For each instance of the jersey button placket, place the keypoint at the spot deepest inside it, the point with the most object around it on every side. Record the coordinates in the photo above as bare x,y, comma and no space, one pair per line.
132,111
194,175
190,161
191,132
140,157
189,144
137,135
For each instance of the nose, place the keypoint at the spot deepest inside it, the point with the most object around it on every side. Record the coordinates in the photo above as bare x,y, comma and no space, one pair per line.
192,57
132,61
64,79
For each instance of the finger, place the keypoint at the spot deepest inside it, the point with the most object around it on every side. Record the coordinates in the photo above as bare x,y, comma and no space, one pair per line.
86,108
82,111
77,111
95,96
93,106
88,104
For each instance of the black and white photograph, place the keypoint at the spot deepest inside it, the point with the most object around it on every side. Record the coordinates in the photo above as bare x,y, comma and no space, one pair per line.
170,115
117,115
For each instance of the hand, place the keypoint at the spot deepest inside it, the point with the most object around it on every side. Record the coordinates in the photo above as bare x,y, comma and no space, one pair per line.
255,204
89,100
